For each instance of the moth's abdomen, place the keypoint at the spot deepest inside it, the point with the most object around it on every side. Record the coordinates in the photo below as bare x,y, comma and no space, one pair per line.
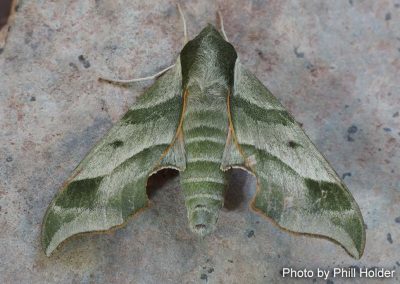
203,183
203,188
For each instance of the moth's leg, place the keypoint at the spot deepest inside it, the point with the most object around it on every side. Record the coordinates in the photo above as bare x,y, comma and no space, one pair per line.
128,81
185,40
221,22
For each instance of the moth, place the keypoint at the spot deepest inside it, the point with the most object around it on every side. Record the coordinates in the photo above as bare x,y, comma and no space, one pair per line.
203,116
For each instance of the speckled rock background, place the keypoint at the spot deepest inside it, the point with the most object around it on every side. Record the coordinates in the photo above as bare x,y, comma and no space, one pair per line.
334,64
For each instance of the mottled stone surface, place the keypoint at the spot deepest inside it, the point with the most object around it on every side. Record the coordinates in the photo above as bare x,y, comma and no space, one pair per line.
334,64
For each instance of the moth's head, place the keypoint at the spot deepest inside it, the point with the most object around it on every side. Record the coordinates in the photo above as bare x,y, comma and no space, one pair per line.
210,30
208,50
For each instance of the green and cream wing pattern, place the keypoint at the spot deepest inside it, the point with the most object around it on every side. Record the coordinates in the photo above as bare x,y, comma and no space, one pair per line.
296,187
110,183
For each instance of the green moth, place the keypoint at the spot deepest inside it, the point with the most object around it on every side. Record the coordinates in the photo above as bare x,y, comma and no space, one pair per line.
205,115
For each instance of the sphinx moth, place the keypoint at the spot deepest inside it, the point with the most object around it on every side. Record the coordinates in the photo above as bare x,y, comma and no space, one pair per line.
202,117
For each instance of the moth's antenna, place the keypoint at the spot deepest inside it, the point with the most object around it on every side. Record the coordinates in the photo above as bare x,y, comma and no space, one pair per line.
119,81
221,22
128,81
184,24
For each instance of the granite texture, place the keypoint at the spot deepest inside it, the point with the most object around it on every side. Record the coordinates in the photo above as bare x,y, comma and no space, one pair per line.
334,64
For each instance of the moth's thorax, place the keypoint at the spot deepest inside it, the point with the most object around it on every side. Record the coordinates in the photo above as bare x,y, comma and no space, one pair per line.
208,60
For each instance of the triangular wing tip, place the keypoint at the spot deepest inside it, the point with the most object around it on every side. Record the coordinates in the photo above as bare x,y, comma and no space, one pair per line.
48,252
351,250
